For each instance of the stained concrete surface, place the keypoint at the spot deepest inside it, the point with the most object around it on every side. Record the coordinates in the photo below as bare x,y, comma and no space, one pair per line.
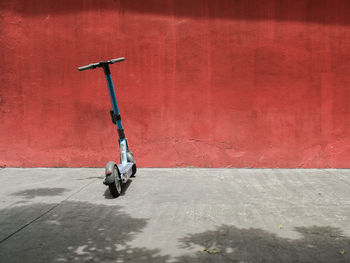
175,215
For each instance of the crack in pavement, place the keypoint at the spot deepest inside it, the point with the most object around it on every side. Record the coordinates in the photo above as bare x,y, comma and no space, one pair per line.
43,214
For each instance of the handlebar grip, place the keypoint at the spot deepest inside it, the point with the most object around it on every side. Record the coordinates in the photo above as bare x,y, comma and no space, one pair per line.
90,66
115,60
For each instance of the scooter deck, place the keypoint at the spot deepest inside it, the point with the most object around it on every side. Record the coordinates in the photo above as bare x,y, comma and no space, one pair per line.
125,170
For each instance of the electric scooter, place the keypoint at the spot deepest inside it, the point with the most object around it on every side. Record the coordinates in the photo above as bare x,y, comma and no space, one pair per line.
116,174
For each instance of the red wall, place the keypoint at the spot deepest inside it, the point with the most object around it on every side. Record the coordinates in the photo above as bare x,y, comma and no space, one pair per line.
225,83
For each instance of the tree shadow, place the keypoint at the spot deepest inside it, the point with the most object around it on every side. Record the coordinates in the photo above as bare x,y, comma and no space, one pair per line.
317,11
40,192
231,244
76,232
86,232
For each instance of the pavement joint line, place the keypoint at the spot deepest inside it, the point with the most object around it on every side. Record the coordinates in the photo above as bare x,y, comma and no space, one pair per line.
45,213
339,177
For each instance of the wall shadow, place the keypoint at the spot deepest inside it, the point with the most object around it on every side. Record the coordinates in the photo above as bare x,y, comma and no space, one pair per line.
317,11
231,244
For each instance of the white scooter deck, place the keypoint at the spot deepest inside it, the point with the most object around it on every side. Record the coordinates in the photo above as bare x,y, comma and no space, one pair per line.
125,170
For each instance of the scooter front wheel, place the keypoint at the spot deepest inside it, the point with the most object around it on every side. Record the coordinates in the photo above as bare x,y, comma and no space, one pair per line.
116,187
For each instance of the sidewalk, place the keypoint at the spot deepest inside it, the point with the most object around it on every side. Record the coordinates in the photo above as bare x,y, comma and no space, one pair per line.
175,215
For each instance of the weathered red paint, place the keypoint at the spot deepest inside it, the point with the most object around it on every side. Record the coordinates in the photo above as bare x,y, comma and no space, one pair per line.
244,83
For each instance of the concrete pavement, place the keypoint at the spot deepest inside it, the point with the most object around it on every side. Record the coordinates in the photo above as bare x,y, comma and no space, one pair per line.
175,215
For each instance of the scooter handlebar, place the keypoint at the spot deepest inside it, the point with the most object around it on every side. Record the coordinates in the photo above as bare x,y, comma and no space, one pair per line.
95,65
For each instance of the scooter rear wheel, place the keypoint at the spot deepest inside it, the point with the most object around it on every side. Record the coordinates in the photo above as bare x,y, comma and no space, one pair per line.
116,187
130,158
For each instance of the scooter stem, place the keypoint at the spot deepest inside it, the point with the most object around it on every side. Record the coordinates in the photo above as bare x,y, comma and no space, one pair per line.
114,101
